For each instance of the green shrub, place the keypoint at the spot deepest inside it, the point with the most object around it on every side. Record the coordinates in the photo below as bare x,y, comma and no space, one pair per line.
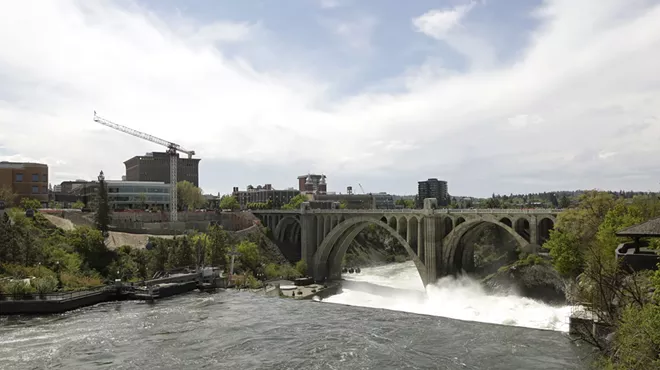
45,285
19,287
301,267
78,282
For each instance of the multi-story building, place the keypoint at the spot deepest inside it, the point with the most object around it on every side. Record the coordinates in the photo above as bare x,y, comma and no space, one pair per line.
359,201
311,183
26,180
432,188
156,167
263,194
124,195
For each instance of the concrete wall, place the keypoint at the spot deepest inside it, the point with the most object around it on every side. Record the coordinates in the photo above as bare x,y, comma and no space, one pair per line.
37,306
142,223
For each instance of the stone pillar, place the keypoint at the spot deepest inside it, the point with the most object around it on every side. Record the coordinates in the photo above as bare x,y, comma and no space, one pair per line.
308,237
327,226
431,237
420,239
533,230
319,229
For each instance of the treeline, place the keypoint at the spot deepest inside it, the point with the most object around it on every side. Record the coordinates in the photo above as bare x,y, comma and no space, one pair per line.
582,248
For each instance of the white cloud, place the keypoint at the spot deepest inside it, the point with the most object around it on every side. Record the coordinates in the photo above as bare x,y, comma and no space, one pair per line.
588,82
439,23
329,4
524,120
355,33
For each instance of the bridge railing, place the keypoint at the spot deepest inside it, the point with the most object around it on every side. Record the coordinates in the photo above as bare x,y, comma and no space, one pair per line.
417,211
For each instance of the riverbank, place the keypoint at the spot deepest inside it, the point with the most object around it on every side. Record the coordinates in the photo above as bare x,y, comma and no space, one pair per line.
152,290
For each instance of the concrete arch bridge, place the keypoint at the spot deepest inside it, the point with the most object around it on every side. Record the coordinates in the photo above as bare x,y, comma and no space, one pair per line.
435,239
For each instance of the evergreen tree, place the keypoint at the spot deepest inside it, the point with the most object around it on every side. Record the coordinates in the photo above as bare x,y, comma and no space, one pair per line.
102,216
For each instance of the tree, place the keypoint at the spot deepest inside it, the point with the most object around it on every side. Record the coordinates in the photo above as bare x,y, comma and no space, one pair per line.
218,244
189,195
78,205
564,202
30,203
142,199
249,255
295,202
102,214
7,195
229,202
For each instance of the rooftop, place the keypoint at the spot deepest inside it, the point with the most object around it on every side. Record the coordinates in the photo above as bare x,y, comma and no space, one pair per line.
5,164
650,228
121,182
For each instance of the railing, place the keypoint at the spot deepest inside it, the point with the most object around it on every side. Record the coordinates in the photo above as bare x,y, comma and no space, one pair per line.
62,296
416,211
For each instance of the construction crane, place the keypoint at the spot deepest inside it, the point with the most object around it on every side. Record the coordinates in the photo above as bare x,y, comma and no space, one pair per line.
172,149
361,188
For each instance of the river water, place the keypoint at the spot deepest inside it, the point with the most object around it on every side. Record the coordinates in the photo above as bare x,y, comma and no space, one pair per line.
240,330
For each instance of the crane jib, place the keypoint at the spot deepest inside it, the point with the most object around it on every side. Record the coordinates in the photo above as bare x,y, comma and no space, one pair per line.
172,149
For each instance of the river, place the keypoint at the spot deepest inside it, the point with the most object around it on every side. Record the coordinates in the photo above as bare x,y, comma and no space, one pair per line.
240,330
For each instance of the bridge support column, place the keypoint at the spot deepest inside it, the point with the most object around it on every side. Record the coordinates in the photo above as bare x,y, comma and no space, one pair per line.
308,239
533,230
432,247
420,240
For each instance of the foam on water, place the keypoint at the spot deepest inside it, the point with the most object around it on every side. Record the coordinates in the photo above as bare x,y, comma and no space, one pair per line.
399,287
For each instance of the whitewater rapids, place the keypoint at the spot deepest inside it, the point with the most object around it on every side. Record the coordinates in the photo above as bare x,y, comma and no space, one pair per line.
398,287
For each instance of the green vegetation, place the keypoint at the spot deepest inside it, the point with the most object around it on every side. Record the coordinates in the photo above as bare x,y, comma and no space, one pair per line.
405,203
78,205
582,247
295,202
229,202
189,196
59,260
30,203
7,195
556,199
102,214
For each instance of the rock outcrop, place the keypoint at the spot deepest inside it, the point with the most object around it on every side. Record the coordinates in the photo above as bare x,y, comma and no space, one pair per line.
538,281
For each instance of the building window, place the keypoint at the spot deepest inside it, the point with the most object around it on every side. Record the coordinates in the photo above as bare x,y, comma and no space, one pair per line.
35,190
19,177
44,177
44,189
35,177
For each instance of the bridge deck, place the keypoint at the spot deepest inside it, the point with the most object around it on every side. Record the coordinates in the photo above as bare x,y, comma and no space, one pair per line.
415,211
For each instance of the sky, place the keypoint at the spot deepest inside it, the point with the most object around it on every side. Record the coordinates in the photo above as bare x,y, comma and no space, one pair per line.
493,96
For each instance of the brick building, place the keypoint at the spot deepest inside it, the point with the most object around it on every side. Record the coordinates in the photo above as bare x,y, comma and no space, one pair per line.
262,194
26,180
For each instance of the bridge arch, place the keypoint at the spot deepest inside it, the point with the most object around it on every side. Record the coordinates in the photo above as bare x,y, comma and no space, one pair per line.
459,221
455,255
544,226
522,227
286,224
507,221
328,257
448,224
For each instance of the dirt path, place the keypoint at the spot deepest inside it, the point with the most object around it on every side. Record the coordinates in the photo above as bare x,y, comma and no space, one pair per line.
60,222
115,240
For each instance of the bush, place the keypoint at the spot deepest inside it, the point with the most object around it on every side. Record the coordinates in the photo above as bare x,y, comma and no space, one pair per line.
78,282
301,267
19,287
45,285
23,272
252,282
